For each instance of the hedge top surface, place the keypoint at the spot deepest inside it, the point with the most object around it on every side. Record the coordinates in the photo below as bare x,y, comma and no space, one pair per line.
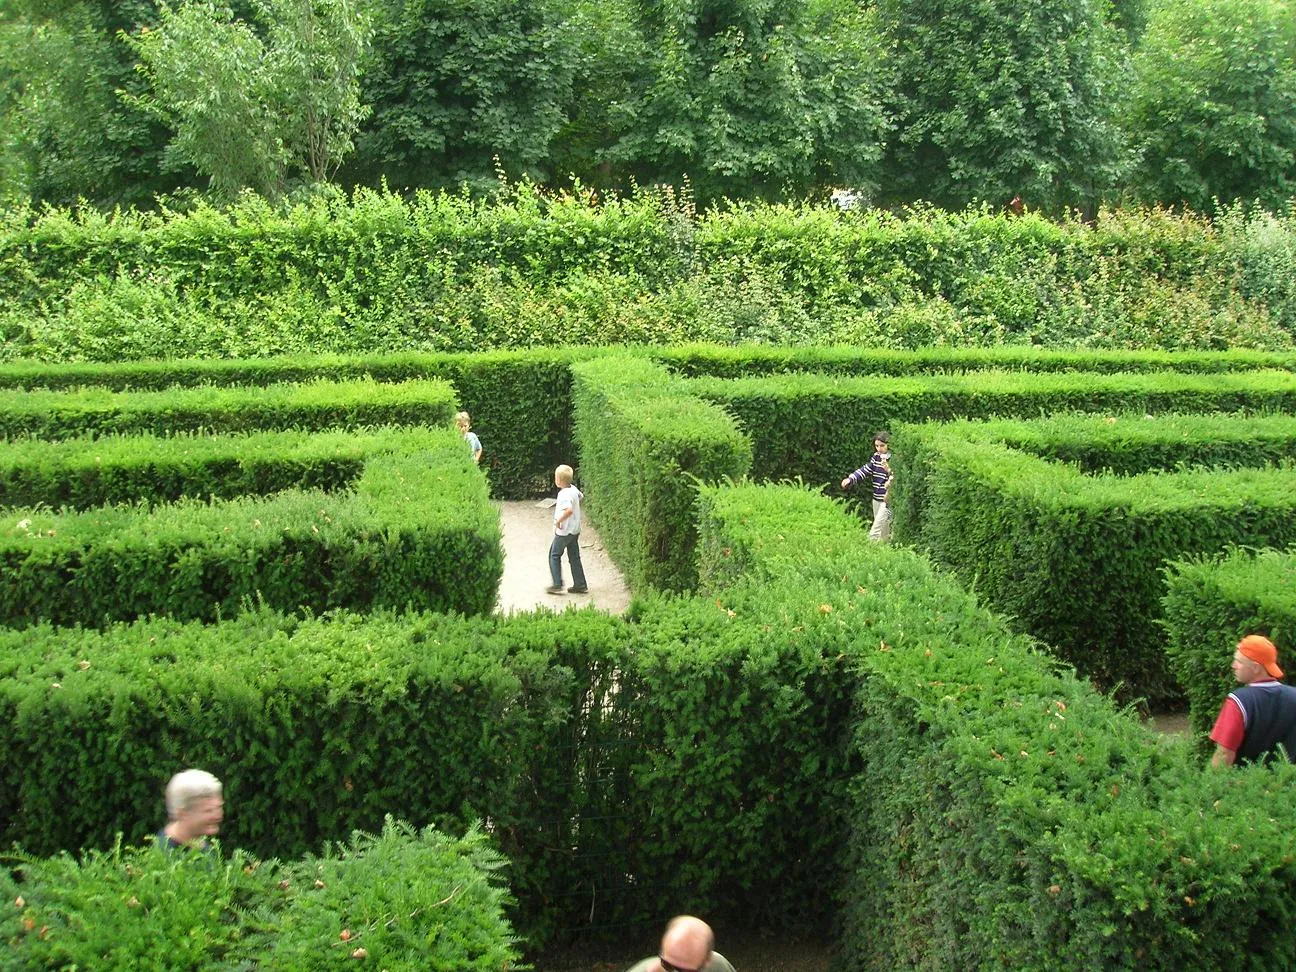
686,359
994,382
319,393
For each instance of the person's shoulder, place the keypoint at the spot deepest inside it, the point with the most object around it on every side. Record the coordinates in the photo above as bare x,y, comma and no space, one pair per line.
719,963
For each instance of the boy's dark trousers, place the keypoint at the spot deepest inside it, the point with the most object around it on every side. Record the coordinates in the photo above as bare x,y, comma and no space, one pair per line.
570,543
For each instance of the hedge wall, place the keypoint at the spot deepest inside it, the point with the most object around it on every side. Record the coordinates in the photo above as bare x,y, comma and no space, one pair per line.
378,272
1076,560
313,405
700,360
821,427
521,401
415,529
696,756
316,727
565,732
644,443
1210,603
1003,814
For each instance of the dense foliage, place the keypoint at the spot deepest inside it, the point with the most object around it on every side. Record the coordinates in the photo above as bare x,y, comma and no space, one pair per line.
250,113
136,907
378,273
1211,111
827,724
999,99
1060,103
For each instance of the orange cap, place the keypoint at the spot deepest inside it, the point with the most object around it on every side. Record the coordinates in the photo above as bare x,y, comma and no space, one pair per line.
1261,650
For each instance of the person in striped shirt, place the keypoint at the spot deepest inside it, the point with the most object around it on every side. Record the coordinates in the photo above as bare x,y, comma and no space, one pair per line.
877,471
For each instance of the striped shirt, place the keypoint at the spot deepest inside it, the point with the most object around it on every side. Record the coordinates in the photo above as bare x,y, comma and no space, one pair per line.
876,470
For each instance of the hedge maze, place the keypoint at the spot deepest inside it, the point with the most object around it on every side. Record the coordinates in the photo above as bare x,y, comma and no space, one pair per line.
793,728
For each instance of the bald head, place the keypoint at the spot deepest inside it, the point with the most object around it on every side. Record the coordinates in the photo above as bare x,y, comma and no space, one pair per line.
687,943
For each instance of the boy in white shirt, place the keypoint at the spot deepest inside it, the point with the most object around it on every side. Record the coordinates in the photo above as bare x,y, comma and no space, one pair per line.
567,527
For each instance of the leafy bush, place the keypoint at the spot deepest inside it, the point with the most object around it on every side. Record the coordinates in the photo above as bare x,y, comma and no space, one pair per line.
404,898
375,272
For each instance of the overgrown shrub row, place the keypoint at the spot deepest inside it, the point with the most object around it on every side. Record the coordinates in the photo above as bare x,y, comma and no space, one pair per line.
644,442
1002,814
1210,603
415,529
1076,559
440,273
370,899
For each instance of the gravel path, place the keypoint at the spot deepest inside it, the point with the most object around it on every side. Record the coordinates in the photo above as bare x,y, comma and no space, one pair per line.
528,531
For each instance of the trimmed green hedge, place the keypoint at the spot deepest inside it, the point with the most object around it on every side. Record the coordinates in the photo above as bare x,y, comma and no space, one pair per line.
680,758
746,361
1076,560
1124,444
315,405
819,428
1003,814
415,529
1210,603
317,727
696,756
403,899
520,402
87,472
644,443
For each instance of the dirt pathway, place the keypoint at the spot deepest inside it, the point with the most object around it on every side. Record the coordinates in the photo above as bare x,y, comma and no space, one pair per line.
528,530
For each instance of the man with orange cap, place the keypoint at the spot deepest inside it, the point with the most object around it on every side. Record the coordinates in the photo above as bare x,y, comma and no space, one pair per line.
1258,720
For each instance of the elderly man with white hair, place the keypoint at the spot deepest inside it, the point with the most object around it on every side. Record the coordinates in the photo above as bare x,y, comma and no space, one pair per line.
195,810
687,946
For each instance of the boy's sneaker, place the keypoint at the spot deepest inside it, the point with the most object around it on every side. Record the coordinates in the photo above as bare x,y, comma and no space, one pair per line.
554,589
578,590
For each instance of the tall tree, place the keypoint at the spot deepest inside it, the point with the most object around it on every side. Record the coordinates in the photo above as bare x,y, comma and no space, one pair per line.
755,97
456,83
1000,98
1212,111
67,134
254,112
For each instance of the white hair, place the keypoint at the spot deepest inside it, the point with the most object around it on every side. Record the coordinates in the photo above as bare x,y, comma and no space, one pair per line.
187,788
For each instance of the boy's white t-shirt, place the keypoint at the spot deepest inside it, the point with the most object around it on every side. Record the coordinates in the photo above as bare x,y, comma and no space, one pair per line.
569,498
